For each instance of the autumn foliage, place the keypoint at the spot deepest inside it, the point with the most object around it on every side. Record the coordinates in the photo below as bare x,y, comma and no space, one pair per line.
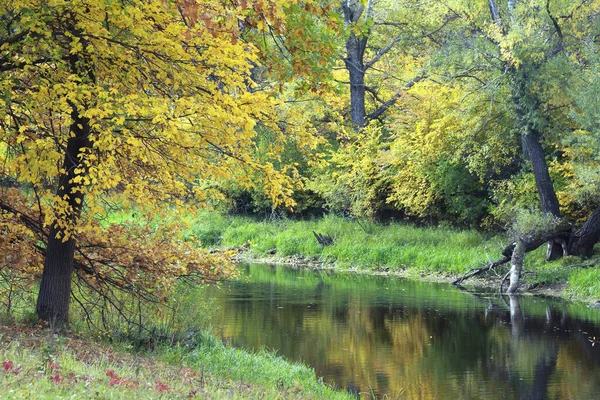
139,104
427,111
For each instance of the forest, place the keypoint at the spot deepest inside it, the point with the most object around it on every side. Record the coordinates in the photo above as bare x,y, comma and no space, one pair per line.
146,145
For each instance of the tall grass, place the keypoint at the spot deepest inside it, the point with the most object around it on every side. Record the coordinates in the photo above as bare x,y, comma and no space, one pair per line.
368,246
585,282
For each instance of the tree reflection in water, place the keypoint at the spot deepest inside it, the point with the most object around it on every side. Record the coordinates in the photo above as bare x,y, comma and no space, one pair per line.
411,339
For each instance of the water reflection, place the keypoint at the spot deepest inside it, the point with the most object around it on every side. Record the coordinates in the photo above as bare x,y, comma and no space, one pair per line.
414,340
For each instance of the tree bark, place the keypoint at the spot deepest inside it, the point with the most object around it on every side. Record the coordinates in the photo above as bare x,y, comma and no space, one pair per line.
55,286
355,51
516,266
357,83
582,242
545,187
548,200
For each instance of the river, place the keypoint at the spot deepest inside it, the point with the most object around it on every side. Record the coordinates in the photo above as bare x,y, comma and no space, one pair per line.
378,336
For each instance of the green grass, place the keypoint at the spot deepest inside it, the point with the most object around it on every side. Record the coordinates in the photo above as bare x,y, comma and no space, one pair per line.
208,228
174,349
262,368
585,282
398,247
395,246
37,364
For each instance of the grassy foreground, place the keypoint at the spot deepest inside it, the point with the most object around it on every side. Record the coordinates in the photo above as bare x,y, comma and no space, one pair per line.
39,365
410,250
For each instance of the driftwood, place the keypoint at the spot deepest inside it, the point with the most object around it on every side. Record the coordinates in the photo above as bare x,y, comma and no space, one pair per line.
324,240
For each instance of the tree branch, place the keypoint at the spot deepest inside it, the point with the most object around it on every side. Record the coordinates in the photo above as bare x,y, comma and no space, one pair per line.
476,271
530,243
15,38
396,39
5,65
382,52
495,12
383,108
559,45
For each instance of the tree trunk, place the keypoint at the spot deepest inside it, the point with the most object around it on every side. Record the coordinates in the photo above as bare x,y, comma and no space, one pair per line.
549,201
582,242
535,153
354,64
355,51
55,286
516,266
527,107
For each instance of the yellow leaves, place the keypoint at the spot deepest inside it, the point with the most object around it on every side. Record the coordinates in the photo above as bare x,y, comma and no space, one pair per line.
171,109
133,141
76,45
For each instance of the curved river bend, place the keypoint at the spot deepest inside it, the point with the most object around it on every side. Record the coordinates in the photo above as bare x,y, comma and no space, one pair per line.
405,339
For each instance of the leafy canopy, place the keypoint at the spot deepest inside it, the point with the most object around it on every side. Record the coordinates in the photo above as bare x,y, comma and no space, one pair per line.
167,90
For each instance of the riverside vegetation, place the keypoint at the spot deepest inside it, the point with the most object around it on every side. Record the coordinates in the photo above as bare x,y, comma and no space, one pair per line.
170,354
38,364
419,252
464,113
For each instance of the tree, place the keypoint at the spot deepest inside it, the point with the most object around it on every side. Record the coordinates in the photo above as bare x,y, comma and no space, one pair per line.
397,22
537,49
135,103
529,115
387,47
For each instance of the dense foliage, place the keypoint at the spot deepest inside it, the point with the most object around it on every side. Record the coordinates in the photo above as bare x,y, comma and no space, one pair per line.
464,111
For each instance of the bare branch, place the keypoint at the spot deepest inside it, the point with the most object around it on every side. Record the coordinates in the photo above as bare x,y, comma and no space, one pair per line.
495,12
383,52
390,23
559,45
383,108
476,271
397,38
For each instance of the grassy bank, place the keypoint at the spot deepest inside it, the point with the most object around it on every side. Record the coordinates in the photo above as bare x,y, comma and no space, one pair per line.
37,364
365,246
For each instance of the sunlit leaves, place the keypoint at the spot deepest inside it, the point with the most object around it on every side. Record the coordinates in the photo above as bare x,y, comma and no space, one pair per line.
168,94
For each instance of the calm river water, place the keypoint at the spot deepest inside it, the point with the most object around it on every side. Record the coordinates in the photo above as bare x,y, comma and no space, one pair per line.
414,340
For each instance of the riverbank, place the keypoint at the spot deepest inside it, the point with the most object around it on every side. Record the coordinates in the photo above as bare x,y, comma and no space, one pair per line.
425,253
38,364
490,282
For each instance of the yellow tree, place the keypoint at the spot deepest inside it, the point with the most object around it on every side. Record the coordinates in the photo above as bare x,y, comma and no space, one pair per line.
140,101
